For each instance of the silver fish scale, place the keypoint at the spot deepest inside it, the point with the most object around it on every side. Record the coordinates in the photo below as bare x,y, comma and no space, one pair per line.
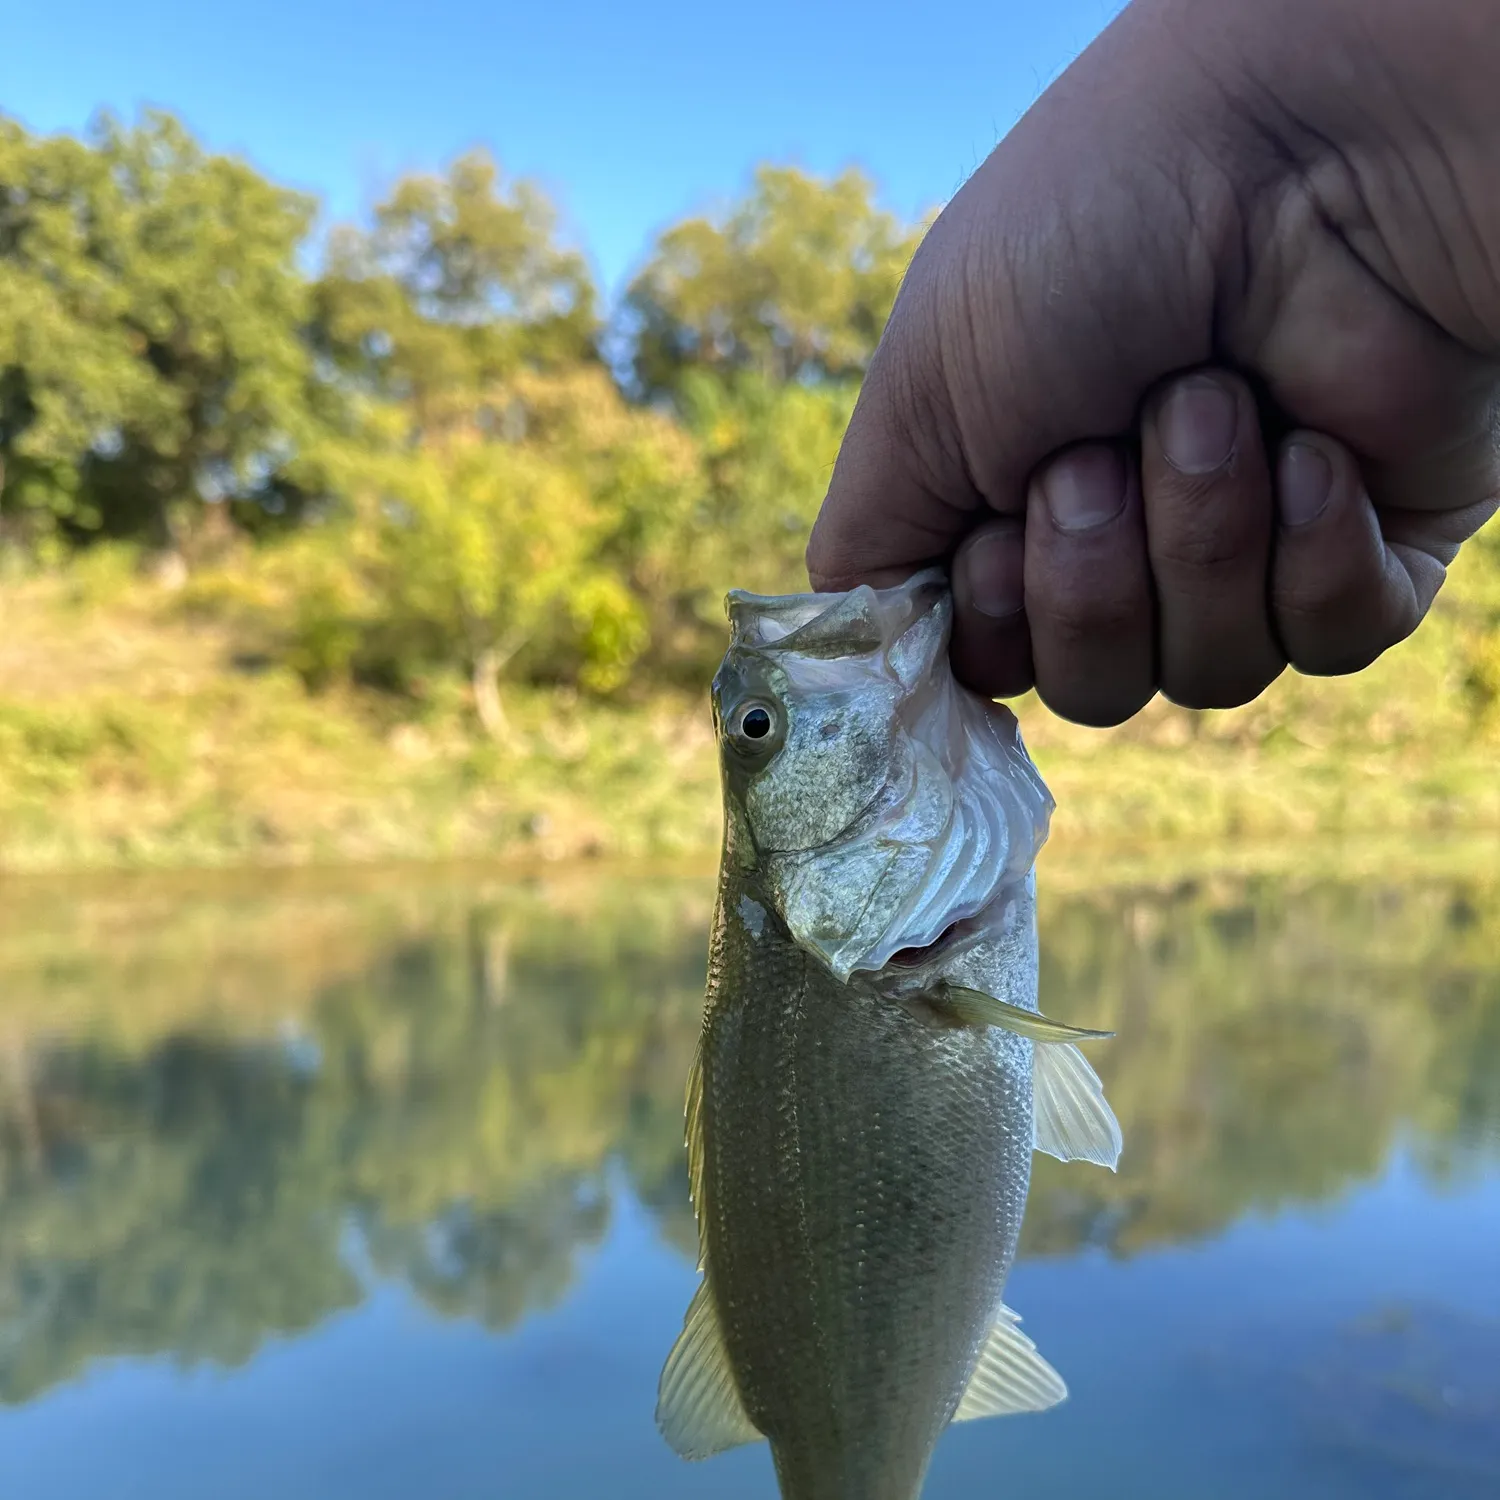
866,1175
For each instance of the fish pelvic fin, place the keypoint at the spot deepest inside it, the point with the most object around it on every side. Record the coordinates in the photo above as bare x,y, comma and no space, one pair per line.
1073,1120
698,1405
975,1008
1010,1376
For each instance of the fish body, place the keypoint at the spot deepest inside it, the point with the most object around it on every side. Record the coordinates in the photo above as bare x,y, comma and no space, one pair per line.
864,1105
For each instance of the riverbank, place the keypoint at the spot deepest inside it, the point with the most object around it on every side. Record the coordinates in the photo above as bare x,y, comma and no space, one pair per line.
135,735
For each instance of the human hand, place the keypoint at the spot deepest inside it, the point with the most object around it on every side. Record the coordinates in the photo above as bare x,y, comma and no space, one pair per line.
1199,374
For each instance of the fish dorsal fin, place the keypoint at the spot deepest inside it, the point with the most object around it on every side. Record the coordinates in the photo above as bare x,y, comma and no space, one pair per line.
1010,1376
694,1135
1073,1119
698,1406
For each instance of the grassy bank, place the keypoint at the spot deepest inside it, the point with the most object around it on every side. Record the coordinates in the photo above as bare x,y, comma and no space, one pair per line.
137,732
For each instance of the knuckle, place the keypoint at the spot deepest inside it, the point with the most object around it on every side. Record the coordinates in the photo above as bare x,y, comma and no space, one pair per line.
1203,540
1337,618
1088,608
1211,526
1309,605
1341,632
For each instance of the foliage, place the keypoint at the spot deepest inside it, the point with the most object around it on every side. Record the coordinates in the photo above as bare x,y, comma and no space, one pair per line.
152,358
767,452
550,555
249,717
489,550
795,283
412,500
458,283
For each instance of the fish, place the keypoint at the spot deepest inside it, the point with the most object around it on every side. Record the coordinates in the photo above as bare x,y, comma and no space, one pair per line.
873,1072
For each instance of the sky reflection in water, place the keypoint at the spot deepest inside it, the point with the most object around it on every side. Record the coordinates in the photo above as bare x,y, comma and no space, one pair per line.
376,1189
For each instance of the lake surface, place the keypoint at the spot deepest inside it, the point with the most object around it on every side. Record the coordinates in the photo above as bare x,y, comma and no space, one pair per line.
375,1189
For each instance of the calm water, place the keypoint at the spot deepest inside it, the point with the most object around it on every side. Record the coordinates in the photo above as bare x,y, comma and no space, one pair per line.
377,1191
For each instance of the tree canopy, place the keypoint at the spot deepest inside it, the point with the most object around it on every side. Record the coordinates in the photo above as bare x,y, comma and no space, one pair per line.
404,438
794,283
459,282
152,316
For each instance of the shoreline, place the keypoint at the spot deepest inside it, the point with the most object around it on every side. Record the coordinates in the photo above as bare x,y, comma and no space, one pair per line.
1068,862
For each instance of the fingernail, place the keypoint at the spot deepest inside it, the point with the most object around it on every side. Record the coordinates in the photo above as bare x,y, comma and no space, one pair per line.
1198,424
1303,484
1086,487
993,577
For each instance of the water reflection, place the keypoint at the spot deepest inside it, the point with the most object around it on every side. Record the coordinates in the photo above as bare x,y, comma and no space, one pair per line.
223,1113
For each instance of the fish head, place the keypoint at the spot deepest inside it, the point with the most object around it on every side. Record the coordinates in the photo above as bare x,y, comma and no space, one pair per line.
805,745
879,802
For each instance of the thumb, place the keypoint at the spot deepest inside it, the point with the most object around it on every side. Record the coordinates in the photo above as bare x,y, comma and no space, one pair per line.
1059,283
901,495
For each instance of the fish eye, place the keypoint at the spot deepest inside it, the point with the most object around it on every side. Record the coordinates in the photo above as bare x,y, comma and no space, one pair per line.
754,724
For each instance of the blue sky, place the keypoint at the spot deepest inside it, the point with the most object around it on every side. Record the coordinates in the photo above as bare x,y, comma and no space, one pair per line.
633,114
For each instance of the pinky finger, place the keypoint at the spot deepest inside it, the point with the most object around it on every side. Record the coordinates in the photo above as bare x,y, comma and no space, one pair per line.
1340,596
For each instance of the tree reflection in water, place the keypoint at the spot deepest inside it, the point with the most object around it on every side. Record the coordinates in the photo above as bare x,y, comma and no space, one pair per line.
205,1100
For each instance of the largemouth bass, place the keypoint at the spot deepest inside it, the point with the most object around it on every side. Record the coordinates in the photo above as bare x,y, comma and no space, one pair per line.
873,1072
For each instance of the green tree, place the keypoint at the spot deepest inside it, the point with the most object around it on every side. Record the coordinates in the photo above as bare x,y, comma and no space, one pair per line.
645,480
766,451
69,374
543,554
459,283
795,282
479,551
467,331
153,367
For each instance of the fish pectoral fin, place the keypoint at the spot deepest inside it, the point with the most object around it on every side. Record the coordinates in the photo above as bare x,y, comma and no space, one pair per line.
698,1406
1010,1376
1073,1119
979,1009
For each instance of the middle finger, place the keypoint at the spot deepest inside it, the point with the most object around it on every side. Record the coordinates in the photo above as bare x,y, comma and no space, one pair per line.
1209,520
